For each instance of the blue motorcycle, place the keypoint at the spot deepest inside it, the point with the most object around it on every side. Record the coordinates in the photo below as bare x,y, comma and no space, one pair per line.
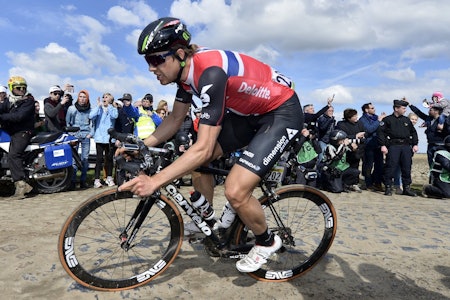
48,162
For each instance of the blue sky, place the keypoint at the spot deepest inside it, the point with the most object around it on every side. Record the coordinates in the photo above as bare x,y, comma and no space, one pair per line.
359,50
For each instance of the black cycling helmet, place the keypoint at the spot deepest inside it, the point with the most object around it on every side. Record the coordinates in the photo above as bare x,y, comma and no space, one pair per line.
182,138
162,35
337,135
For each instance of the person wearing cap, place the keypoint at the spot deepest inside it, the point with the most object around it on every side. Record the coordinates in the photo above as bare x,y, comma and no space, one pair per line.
17,119
148,120
55,109
78,116
398,139
127,114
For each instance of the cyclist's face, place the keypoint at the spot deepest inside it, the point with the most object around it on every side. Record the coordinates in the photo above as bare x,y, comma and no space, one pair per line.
167,71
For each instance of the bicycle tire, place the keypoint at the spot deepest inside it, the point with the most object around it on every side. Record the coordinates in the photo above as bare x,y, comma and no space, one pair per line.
311,221
89,243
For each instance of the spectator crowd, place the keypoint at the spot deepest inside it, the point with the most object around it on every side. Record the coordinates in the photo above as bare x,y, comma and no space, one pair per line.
368,152
21,119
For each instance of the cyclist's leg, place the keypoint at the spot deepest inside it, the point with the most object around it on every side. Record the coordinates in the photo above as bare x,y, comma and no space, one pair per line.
274,131
239,187
204,183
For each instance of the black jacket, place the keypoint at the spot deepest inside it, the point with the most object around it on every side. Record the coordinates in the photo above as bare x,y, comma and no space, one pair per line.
19,117
395,128
433,135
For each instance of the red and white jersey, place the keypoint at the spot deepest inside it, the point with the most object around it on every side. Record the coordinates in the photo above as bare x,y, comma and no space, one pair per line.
246,86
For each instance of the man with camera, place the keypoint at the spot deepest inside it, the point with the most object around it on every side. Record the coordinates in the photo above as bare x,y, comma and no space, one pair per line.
55,107
356,134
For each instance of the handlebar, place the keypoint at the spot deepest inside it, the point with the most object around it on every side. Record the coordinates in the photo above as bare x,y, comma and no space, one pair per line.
132,139
123,137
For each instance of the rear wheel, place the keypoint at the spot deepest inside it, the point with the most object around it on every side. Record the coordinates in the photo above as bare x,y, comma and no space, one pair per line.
307,231
90,242
53,181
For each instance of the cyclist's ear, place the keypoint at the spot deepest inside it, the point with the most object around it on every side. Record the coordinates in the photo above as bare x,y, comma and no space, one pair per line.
181,56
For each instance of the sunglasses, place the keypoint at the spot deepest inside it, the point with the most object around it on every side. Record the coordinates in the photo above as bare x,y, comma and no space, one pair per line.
158,59
56,93
20,88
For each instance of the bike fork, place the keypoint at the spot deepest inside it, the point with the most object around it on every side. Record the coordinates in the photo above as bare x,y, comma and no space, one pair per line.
136,220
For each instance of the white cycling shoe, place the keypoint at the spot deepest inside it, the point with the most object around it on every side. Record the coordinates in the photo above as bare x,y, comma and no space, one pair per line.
258,256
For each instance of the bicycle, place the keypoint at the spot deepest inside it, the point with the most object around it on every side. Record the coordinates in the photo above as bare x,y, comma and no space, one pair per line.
116,240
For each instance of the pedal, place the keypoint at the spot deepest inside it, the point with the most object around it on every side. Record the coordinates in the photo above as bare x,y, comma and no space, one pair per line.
195,240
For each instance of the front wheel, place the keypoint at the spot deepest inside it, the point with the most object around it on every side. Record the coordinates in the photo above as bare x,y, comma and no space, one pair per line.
91,241
305,220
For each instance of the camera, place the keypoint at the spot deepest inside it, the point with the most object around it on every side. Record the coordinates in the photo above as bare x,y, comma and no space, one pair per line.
357,141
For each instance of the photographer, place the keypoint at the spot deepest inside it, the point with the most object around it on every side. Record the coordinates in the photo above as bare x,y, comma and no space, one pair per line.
336,173
55,107
356,134
308,149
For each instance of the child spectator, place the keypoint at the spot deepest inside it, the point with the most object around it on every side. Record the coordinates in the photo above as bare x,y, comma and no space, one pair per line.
438,100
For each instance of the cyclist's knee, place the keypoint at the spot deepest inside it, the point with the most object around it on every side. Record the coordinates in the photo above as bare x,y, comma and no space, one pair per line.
236,195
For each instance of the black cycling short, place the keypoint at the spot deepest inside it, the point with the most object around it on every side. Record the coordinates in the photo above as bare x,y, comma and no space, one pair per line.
265,136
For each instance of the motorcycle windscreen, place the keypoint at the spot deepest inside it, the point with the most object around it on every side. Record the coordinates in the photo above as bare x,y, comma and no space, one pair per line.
58,156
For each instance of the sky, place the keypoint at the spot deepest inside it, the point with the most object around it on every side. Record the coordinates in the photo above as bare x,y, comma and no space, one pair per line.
358,50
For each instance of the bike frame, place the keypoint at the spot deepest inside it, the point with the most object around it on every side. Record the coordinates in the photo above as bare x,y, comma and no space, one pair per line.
145,204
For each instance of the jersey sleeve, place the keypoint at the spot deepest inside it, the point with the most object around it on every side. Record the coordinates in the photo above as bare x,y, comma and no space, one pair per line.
212,87
182,95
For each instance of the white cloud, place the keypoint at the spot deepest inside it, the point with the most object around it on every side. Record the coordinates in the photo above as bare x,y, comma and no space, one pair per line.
133,14
401,75
291,25
122,16
427,51
133,37
91,45
341,95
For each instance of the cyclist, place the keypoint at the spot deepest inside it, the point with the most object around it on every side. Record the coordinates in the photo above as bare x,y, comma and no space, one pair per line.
264,114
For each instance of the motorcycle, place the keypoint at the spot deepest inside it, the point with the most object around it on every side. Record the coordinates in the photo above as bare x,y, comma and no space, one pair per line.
48,160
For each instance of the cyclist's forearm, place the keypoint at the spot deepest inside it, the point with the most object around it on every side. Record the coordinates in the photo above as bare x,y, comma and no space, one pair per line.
189,161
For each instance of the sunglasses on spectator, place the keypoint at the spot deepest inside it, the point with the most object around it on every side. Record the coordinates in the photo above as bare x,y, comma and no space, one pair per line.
56,93
157,59
20,88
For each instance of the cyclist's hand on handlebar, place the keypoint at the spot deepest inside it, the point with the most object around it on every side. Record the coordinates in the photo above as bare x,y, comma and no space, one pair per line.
141,186
127,154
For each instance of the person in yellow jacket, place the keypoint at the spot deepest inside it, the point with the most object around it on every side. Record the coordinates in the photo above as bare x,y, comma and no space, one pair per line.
148,120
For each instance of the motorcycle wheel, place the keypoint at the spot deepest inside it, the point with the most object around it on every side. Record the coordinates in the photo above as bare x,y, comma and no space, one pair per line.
59,183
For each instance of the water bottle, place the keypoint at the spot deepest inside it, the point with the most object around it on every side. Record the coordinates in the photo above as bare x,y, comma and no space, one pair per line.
227,217
202,205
